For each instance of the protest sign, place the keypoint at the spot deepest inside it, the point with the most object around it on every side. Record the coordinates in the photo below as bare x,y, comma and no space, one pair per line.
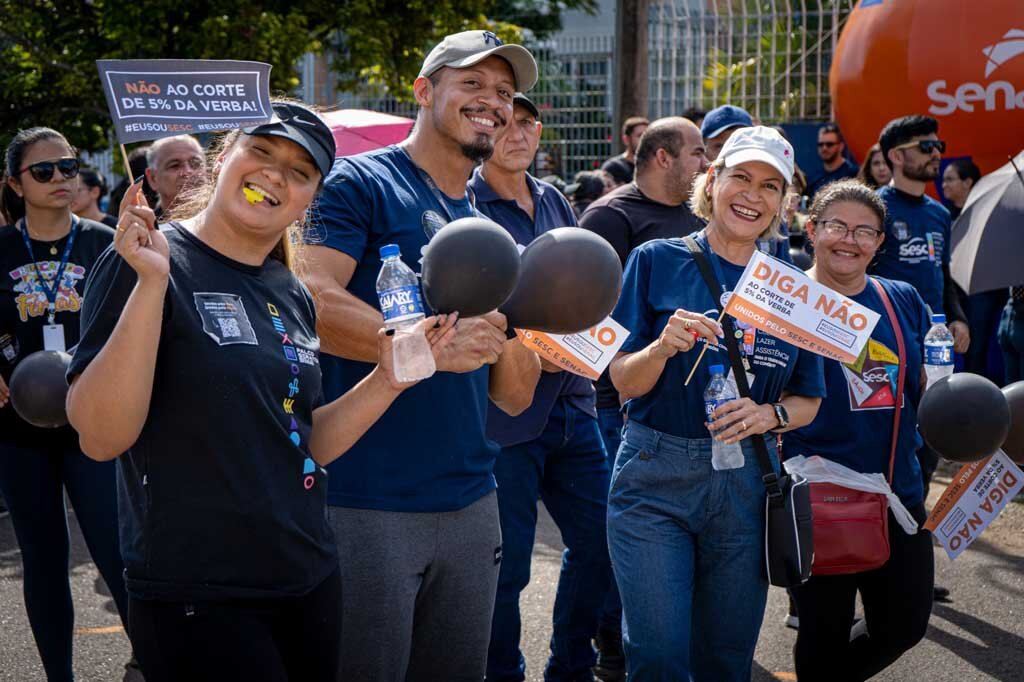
153,98
780,300
978,493
587,353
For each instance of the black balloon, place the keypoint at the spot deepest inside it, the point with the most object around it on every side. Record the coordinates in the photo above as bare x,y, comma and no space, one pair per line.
470,266
39,388
964,417
571,279
1014,443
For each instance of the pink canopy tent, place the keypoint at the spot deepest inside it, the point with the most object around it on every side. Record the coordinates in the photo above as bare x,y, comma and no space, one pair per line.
361,130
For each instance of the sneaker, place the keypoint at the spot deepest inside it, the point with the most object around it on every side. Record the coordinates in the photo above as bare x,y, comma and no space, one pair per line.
611,661
792,621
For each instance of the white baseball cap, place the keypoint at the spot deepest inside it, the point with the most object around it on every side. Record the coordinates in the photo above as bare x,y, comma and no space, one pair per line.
759,143
461,50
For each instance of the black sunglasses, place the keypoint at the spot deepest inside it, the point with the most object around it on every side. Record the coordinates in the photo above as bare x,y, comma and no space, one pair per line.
43,171
925,146
827,144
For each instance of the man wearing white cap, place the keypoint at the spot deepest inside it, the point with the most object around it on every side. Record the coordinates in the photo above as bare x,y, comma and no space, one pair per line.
413,504
685,523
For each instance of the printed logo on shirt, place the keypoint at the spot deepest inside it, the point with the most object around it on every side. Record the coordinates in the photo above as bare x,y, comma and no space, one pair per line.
224,318
9,347
31,298
872,378
293,353
921,249
901,230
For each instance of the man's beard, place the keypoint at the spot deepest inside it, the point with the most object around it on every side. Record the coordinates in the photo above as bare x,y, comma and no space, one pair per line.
480,149
921,173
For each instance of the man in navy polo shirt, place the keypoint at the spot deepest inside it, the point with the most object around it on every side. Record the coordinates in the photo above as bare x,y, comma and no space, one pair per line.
412,503
552,451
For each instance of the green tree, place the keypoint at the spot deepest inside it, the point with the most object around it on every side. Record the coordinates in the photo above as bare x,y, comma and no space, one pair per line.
48,48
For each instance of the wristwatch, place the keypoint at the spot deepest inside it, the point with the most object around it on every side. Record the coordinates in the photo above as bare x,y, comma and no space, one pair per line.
781,414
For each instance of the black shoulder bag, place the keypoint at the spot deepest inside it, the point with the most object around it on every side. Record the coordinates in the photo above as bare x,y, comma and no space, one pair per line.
788,533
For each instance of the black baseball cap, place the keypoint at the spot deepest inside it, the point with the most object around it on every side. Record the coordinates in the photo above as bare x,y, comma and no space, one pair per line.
304,128
525,102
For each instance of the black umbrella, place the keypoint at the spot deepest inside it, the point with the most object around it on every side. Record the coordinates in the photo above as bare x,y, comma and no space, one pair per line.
988,237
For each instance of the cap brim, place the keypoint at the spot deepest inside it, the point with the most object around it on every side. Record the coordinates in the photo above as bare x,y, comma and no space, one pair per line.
715,133
745,155
524,68
322,159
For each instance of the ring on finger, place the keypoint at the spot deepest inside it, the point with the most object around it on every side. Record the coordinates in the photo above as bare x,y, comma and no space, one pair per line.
687,324
743,425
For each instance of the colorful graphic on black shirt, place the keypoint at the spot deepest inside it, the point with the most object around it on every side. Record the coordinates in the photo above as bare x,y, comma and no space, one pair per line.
31,298
872,378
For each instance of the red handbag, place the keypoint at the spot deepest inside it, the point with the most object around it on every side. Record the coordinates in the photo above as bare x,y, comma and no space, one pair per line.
851,527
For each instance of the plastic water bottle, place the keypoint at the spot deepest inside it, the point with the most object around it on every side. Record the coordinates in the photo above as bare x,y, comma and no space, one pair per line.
938,350
399,292
719,392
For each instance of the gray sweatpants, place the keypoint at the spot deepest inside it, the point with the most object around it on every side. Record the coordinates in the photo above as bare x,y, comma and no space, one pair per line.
417,592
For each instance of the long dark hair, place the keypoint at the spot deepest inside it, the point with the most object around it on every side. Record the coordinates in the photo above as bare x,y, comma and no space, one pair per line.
864,174
12,207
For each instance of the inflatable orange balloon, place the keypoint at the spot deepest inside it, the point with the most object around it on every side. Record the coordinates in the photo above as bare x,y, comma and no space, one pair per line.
959,61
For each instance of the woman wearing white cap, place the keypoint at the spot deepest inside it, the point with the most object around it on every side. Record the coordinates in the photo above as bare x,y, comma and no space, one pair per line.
686,528
199,360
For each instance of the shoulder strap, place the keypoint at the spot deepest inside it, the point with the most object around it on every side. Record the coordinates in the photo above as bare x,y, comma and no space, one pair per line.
768,475
901,374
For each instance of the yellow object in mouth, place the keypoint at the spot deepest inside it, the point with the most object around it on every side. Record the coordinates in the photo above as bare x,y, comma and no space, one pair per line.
254,196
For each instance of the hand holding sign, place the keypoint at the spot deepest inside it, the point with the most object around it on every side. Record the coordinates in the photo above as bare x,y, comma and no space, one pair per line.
138,241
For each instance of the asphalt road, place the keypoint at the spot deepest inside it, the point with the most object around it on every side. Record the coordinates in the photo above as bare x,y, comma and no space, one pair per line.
978,636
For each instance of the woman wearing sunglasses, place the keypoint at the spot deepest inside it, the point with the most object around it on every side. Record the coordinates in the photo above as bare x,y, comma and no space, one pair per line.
47,256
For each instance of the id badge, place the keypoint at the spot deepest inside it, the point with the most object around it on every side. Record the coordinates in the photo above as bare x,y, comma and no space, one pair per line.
53,337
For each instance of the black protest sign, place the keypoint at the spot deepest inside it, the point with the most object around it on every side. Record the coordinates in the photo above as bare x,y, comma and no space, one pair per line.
153,98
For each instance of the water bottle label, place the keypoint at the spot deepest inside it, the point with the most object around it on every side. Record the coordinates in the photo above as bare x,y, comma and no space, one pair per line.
401,303
938,355
712,405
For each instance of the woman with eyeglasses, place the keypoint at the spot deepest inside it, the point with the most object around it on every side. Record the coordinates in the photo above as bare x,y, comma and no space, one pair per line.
854,427
47,256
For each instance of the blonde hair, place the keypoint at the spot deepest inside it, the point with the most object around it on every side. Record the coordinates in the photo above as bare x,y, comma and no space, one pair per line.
703,207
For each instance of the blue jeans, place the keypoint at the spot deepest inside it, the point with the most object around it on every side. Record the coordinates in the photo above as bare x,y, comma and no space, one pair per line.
610,419
1011,341
33,482
565,467
687,547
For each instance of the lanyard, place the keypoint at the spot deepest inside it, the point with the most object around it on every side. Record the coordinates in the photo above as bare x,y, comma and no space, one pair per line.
50,287
429,182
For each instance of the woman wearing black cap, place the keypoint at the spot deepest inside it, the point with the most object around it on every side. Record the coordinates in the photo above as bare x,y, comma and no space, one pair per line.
203,345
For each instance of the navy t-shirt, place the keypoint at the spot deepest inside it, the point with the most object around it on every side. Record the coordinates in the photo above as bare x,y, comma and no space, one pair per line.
661,277
845,170
219,497
428,452
916,244
550,210
854,423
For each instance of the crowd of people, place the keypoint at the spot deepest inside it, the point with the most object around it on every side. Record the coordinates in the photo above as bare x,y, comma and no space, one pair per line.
284,508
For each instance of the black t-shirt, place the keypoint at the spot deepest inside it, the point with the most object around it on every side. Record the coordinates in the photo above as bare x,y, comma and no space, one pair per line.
620,168
219,497
109,220
627,218
23,312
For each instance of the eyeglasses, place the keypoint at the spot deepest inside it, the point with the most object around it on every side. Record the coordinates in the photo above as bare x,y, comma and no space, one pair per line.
837,229
828,145
925,146
43,171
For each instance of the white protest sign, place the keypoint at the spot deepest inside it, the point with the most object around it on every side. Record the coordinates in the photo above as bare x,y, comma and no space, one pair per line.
978,493
586,353
780,300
